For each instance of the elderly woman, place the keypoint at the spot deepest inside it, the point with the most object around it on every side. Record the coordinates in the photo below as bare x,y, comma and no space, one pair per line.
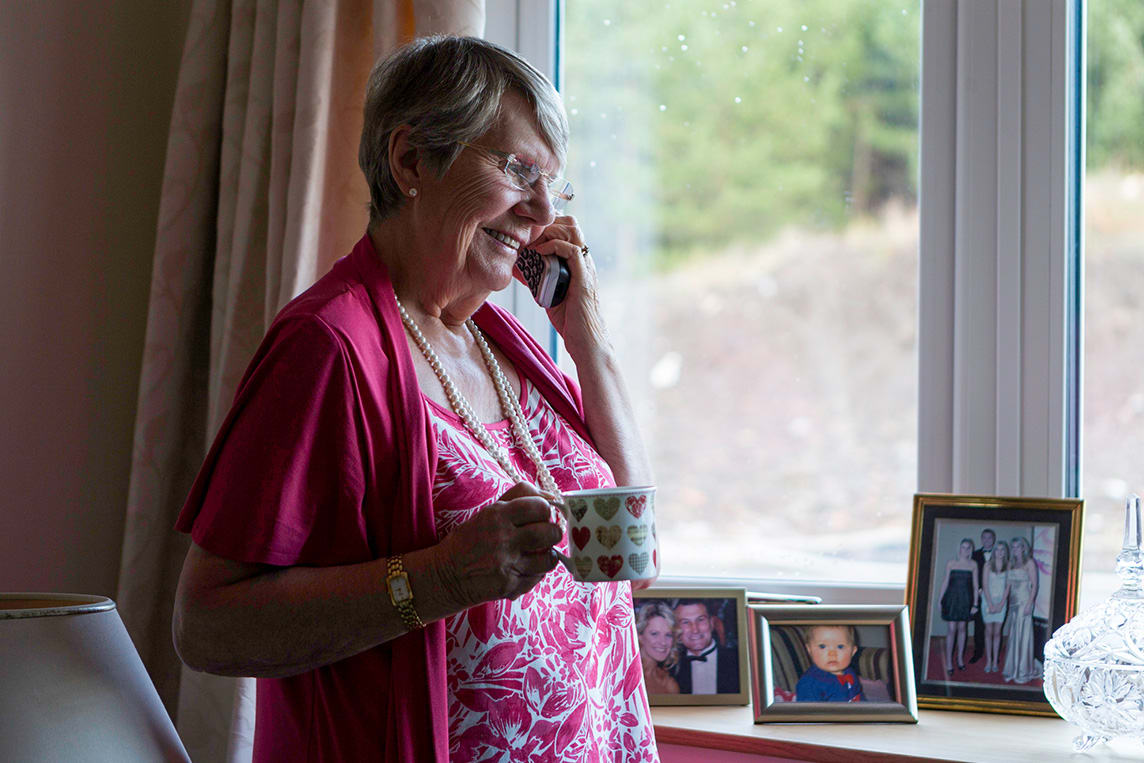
374,532
659,646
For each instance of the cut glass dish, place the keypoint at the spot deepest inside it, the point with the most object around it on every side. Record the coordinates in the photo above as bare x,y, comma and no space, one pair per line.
1094,664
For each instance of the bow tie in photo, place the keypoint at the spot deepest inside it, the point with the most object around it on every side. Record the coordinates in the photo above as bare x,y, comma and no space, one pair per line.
846,679
701,657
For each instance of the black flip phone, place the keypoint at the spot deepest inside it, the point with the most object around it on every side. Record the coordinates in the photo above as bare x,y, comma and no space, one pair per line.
547,276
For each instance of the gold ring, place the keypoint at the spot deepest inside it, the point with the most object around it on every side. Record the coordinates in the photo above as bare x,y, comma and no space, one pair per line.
584,250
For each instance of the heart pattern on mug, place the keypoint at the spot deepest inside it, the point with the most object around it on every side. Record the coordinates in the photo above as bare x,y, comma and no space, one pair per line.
608,536
610,565
654,563
583,565
636,505
578,508
638,561
606,507
638,534
581,536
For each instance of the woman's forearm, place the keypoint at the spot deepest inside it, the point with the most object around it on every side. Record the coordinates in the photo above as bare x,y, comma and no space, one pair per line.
611,419
254,620
237,618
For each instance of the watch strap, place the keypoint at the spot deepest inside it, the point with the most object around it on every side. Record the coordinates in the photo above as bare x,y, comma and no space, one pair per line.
394,569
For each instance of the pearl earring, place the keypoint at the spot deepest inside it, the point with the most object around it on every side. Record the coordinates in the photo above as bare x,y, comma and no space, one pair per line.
412,191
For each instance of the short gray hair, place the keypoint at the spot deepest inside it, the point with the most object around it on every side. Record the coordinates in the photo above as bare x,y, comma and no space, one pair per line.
447,89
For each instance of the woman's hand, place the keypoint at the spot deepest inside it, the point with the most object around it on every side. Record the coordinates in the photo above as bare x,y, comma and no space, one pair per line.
640,585
503,551
577,319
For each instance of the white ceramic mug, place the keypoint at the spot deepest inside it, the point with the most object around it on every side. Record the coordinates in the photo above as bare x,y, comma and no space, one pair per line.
611,533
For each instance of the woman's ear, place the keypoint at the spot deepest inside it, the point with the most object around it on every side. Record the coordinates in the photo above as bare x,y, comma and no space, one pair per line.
404,161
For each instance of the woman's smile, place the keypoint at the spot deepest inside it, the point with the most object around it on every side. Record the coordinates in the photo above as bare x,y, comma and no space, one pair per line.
656,639
503,238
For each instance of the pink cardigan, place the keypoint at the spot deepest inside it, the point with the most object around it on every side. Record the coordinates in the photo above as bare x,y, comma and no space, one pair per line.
327,458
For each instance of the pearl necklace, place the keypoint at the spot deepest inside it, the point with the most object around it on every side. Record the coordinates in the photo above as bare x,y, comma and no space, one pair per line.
510,406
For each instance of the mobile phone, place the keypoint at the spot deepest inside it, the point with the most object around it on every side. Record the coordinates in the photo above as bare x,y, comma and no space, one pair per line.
547,276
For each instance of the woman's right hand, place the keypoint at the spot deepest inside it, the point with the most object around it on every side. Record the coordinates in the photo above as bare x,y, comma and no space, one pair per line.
503,551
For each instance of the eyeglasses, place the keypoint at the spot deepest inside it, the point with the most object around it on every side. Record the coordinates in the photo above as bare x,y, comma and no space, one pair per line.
524,176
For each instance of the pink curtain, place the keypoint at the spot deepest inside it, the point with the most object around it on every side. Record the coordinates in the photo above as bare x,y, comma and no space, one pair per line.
261,193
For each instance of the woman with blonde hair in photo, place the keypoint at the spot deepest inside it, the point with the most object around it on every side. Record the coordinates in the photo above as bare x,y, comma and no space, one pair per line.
995,588
659,646
1020,662
958,602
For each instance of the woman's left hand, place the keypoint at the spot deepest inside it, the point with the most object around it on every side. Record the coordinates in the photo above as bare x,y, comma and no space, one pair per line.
577,319
640,585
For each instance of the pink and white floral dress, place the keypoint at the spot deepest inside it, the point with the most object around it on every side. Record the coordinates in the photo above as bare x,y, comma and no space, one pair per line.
554,675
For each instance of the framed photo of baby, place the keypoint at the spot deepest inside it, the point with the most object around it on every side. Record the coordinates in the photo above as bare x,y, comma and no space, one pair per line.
693,645
832,663
990,580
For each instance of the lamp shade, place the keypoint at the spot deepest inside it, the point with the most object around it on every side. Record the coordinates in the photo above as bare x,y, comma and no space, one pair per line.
72,686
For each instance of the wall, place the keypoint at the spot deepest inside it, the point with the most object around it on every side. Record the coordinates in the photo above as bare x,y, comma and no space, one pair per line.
85,96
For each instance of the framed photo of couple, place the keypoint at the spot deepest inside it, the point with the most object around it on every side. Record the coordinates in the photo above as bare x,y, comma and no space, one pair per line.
693,645
990,580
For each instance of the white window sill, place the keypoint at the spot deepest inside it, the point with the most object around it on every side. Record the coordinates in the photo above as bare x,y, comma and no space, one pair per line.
938,736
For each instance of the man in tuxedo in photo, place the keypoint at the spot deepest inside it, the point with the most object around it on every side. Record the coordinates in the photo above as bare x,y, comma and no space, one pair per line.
982,557
707,667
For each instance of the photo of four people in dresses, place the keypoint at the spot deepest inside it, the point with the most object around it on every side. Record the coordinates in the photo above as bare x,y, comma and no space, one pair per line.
987,593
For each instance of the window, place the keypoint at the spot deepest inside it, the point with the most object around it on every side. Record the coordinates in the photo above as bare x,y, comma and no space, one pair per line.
997,373
1114,275
746,174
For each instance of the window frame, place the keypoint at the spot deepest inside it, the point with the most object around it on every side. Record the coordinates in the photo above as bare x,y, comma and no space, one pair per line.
1000,293
1000,283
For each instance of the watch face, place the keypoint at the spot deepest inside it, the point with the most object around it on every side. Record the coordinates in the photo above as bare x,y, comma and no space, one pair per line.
399,588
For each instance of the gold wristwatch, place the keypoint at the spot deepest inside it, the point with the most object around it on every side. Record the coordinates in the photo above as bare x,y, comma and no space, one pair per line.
400,592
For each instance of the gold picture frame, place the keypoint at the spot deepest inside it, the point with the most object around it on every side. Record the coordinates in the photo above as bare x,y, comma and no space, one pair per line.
783,672
694,614
1042,595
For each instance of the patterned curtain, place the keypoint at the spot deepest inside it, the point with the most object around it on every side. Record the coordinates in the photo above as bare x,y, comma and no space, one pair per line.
261,193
